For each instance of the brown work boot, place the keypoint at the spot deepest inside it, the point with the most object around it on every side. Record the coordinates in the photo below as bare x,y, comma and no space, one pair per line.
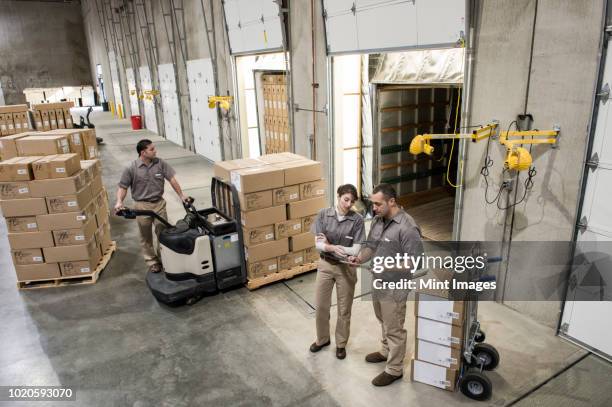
375,357
315,348
156,268
340,353
385,379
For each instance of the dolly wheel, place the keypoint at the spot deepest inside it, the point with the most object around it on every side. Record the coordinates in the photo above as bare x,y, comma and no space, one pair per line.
193,300
480,337
476,385
485,354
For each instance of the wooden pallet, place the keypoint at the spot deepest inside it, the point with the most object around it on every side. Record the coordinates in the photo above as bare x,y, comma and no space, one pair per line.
71,280
257,282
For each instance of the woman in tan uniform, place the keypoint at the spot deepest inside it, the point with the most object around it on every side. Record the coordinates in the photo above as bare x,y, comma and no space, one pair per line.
339,232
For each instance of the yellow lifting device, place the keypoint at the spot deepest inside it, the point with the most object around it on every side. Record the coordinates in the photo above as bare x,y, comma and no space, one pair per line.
223,101
518,158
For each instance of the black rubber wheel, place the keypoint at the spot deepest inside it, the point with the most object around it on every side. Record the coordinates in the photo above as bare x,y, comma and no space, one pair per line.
480,337
485,354
476,385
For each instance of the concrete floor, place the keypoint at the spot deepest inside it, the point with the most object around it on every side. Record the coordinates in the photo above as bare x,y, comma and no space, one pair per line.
116,345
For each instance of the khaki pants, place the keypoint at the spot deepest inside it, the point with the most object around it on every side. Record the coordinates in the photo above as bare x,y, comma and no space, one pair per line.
146,224
345,279
391,314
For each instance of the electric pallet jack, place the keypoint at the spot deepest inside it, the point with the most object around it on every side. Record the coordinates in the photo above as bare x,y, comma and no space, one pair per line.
201,255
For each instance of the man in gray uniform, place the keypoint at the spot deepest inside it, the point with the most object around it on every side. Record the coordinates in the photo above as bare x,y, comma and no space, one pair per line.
146,177
392,231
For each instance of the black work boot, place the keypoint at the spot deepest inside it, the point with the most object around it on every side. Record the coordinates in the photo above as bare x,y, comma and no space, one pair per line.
375,357
315,348
385,379
340,353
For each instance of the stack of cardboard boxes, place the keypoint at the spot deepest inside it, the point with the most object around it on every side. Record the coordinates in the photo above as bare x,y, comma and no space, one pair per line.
56,209
80,141
280,195
14,119
51,116
438,339
276,116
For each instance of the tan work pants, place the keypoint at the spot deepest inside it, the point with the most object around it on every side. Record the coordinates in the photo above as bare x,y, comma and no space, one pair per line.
345,278
391,313
146,224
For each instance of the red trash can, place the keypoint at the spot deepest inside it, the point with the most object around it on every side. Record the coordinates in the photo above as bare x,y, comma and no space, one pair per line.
136,122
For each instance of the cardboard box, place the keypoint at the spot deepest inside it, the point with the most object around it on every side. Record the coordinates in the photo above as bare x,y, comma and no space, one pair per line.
263,217
68,118
58,187
27,256
70,203
3,128
280,158
302,241
37,119
439,309
14,190
92,169
70,220
22,224
103,237
258,235
23,207
290,260
56,166
102,213
79,268
82,235
255,200
313,189
437,354
96,185
301,209
286,194
43,145
45,120
17,169
222,169
25,121
439,332
8,121
288,228
17,122
72,253
59,115
89,143
307,222
311,255
257,179
30,240
300,171
262,268
433,375
8,145
33,272
52,119
267,250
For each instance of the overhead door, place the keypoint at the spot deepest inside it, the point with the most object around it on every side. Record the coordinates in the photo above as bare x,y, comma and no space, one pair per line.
205,121
588,322
170,104
150,119
362,26
133,93
253,26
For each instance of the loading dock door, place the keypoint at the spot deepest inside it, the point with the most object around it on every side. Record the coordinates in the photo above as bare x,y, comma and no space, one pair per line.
363,26
588,322
253,26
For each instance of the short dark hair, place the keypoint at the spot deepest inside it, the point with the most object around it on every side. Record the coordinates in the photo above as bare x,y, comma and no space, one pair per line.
143,145
347,189
387,190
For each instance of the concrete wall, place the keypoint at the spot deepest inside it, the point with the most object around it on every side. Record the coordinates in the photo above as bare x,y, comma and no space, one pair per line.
550,71
41,45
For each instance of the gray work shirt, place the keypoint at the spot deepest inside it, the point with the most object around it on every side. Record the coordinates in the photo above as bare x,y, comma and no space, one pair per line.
400,234
146,181
347,232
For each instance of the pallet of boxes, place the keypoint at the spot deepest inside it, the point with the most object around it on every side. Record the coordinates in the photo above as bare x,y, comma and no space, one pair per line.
280,195
51,116
14,119
56,210
439,336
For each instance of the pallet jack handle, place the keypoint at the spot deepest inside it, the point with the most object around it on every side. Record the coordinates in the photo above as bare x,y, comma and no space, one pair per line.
133,213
